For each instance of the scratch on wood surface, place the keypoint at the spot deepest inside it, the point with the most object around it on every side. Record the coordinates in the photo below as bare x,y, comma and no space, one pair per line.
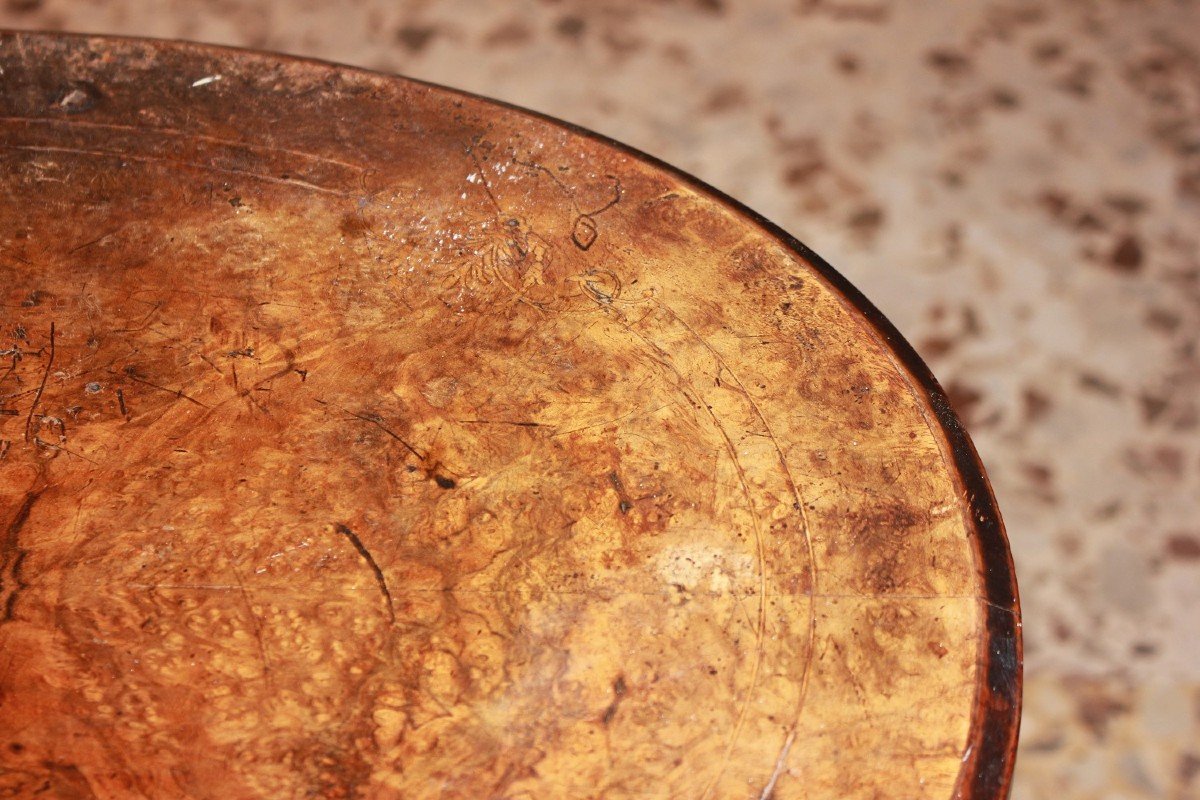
131,373
352,537
769,790
37,397
142,130
375,420
797,499
255,622
668,363
312,187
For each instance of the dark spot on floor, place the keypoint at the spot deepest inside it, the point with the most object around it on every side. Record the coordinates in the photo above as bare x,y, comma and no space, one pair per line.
1183,547
1160,461
952,178
1098,384
866,221
934,347
676,53
1072,545
1005,98
1153,406
1097,705
1078,79
948,62
1188,183
415,38
1036,404
1085,220
724,98
1061,630
444,482
803,171
847,63
1040,479
509,33
1049,744
1039,474
873,13
1189,768
1129,204
1047,51
570,26
1127,255
1055,202
622,43
965,400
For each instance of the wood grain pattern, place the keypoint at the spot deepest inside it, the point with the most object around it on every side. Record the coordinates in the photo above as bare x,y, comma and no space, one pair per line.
359,438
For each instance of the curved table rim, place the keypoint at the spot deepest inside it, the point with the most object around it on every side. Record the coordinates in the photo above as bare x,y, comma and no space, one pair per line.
995,721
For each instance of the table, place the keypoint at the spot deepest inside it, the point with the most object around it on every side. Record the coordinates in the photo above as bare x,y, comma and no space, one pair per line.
364,438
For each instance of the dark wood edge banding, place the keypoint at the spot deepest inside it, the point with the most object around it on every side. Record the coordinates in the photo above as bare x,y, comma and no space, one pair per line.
992,742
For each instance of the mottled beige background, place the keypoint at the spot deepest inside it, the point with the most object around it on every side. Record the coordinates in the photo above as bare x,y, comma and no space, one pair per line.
1016,184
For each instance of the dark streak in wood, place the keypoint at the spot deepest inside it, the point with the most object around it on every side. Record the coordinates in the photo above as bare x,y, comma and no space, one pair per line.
377,421
352,537
624,503
131,373
12,554
619,690
37,397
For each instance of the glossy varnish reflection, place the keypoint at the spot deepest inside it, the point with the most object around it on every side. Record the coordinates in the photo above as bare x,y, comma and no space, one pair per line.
364,439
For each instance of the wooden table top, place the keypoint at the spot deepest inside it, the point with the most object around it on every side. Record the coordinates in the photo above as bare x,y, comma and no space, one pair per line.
364,439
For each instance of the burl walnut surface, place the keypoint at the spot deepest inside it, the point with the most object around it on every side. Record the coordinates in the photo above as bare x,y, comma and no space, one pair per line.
362,439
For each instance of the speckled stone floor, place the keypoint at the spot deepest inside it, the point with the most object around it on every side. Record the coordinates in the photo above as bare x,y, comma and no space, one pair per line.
1016,184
